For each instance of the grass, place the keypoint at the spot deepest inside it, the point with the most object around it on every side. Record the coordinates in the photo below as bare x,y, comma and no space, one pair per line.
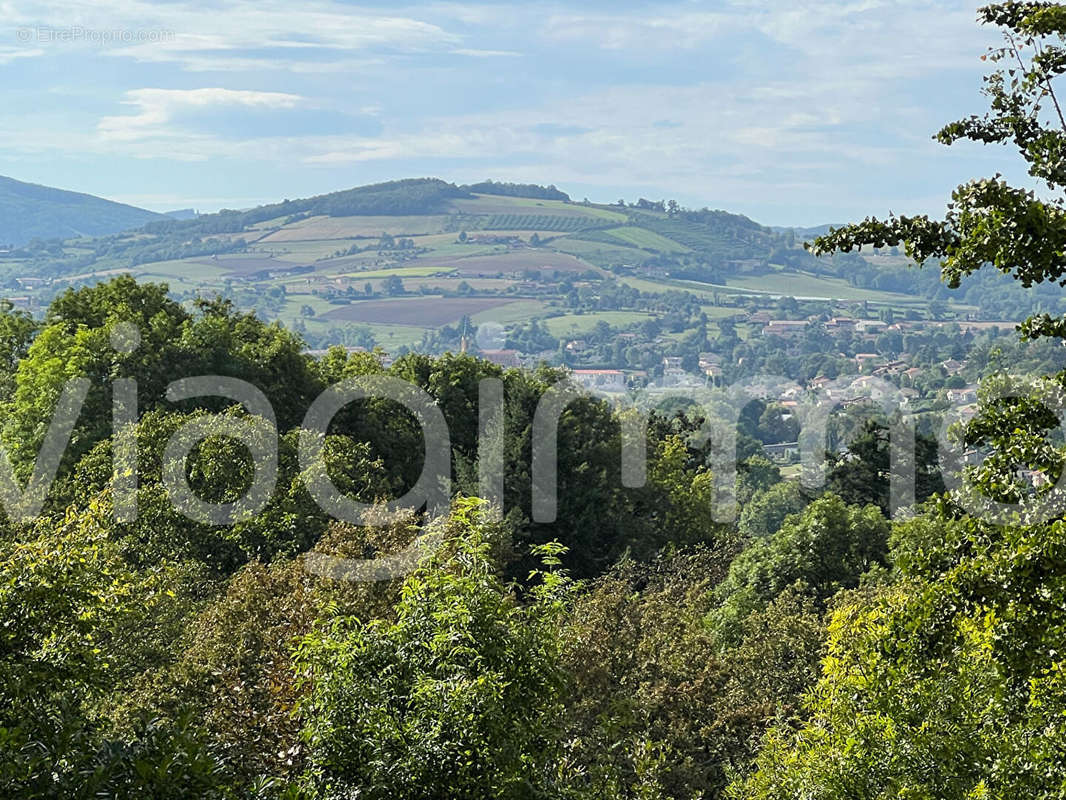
453,249
303,252
661,285
290,312
512,261
798,284
643,238
600,253
518,311
182,275
787,284
720,312
417,311
399,272
317,228
187,270
491,285
583,323
392,337
498,204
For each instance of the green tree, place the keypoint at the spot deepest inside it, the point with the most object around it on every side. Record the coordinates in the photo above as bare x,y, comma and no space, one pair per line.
220,470
763,515
72,617
947,682
827,547
658,708
944,684
461,693
17,329
863,472
76,342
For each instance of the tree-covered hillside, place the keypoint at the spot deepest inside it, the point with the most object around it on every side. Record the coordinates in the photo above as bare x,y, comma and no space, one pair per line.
29,211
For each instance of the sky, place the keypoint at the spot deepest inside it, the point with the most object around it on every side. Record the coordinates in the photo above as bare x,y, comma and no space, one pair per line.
798,112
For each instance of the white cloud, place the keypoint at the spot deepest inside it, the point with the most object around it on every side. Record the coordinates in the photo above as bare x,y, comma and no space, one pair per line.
886,37
466,51
9,54
157,108
224,36
620,32
770,99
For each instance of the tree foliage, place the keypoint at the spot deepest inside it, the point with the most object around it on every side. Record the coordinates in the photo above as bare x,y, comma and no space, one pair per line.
946,681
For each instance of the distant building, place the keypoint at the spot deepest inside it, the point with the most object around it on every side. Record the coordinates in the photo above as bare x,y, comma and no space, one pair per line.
892,368
782,453
967,394
866,359
504,358
711,365
602,380
868,387
785,328
674,375
871,327
842,324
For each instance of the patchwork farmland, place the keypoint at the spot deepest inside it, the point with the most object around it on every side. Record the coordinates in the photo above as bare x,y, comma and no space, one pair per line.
417,311
404,265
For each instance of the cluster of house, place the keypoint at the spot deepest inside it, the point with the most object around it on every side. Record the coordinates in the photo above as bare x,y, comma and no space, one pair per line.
867,328
787,328
674,374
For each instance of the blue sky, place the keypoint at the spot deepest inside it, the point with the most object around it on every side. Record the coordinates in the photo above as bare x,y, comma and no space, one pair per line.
795,113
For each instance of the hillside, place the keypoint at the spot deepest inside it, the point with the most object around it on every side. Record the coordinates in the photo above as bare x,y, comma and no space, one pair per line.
413,262
29,211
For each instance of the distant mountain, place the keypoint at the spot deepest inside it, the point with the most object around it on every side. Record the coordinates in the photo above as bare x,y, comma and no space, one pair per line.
29,211
182,213
807,233
434,238
406,197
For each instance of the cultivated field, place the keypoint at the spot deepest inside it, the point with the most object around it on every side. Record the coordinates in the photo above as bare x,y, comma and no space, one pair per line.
235,266
576,324
643,238
419,311
352,227
514,262
601,253
493,204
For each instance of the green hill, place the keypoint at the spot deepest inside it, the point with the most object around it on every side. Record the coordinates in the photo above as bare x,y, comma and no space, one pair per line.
29,211
404,259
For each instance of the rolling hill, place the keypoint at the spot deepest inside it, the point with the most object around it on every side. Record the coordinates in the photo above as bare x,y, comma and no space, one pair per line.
29,211
405,259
